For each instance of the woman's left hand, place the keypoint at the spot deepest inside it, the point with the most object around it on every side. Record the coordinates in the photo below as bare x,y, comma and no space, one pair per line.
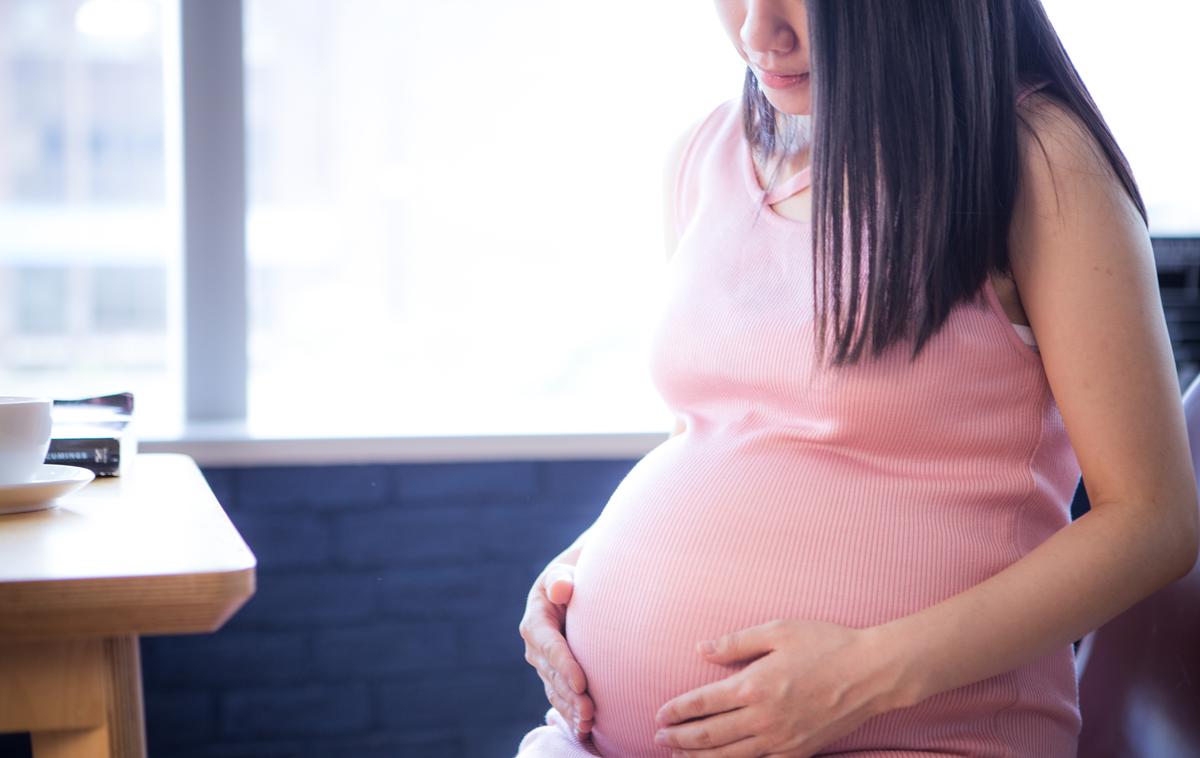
814,683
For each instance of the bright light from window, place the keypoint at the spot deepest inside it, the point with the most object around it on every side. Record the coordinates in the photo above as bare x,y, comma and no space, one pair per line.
1139,62
455,207
117,19
87,243
455,216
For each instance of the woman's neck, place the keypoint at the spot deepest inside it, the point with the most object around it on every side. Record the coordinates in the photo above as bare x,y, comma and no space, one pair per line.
794,144
785,166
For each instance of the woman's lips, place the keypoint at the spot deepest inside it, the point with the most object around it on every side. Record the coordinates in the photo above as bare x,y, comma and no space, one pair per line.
782,81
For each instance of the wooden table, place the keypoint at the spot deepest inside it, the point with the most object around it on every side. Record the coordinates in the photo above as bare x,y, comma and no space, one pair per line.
150,552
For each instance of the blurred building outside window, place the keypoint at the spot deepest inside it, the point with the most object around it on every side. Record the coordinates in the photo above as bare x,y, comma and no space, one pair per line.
86,243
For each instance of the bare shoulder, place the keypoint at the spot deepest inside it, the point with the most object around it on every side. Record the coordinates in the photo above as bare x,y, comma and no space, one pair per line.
1064,171
1070,203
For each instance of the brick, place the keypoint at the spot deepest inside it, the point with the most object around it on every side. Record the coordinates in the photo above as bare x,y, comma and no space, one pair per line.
465,590
285,600
480,481
223,484
288,487
500,740
296,711
494,640
176,719
451,533
229,657
385,621
592,481
295,540
463,699
406,745
381,650
533,540
281,748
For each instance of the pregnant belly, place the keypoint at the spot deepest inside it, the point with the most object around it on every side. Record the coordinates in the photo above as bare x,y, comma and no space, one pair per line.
701,539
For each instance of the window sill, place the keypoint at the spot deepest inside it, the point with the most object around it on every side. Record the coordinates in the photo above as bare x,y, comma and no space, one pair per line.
234,445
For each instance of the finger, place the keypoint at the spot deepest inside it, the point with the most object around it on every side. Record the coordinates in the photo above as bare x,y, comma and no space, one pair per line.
750,747
582,705
584,726
559,583
744,643
556,700
710,732
552,678
587,708
539,611
553,647
580,726
564,702
709,700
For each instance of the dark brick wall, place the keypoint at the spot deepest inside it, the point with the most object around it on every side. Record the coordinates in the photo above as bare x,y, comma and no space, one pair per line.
385,622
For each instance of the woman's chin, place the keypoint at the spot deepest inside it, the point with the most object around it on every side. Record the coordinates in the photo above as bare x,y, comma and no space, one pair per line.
792,105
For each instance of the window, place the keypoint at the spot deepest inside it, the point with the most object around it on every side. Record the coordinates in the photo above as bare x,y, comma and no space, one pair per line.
86,249
453,208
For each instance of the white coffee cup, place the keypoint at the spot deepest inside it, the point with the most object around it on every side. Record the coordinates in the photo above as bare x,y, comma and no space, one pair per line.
24,437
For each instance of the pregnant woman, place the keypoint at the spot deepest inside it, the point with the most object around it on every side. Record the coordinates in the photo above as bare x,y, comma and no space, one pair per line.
912,299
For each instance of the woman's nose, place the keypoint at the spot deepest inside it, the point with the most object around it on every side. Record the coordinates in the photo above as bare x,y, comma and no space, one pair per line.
765,33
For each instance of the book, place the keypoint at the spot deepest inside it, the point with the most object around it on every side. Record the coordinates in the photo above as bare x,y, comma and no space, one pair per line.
92,432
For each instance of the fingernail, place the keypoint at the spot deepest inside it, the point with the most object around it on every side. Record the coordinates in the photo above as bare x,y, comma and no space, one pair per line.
707,647
660,737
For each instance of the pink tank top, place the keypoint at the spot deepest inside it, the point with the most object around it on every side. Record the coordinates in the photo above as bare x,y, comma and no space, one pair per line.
853,495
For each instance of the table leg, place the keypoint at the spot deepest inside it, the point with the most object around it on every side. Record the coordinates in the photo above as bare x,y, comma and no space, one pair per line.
78,698
80,743
127,729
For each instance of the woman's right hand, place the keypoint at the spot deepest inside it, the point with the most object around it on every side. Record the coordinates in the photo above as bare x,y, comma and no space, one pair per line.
546,648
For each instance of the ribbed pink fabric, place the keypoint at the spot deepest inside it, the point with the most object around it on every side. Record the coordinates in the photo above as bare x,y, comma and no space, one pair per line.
853,497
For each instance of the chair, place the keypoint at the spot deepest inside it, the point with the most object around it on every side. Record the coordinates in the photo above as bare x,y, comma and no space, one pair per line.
1139,687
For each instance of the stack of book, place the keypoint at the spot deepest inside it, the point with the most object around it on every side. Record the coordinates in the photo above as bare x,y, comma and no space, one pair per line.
93,433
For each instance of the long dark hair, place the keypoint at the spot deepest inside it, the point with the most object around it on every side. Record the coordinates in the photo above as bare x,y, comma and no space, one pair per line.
914,138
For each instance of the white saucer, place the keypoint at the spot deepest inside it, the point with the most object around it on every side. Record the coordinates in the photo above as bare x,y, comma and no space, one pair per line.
51,482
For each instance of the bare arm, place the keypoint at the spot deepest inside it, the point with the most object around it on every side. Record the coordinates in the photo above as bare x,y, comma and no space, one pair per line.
1077,242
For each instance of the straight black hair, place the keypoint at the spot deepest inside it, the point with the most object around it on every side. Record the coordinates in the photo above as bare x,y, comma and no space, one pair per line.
914,155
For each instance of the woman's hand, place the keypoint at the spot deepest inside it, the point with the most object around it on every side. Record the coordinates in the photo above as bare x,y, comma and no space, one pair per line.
546,648
811,683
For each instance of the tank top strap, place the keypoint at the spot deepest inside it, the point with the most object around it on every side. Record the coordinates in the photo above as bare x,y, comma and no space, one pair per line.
793,184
